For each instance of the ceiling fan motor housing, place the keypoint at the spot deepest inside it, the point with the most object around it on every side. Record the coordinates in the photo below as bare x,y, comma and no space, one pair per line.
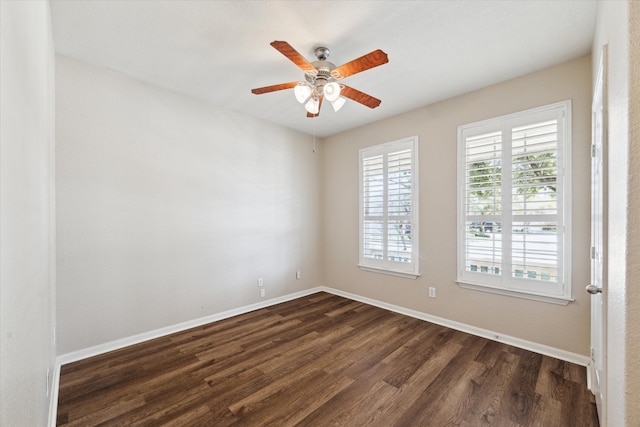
322,78
322,75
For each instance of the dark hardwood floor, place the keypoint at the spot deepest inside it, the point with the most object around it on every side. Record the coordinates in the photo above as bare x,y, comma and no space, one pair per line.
323,360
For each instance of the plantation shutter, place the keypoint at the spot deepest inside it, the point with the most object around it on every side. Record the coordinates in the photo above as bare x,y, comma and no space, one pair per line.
374,201
513,175
399,189
388,220
483,201
534,201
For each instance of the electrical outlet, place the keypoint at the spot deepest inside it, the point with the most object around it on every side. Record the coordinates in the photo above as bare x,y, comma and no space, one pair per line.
262,292
298,274
432,292
260,282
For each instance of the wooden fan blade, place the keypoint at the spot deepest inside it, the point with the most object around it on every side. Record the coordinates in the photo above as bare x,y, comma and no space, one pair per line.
370,60
274,88
319,108
286,49
360,97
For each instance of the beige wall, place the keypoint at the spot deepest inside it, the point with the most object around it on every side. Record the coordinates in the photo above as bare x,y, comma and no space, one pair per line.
562,327
170,209
27,225
618,26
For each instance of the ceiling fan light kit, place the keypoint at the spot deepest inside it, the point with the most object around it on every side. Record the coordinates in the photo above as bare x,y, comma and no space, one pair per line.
338,103
302,92
321,79
313,105
332,91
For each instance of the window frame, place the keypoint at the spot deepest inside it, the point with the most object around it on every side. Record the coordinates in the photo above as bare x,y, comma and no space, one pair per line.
559,292
385,266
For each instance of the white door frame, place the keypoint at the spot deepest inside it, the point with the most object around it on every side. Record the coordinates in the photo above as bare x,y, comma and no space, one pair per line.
598,285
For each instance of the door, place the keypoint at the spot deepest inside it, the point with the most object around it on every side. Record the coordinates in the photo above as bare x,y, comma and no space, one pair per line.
597,287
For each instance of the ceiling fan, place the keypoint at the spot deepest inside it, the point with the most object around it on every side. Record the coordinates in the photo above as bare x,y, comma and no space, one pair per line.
321,79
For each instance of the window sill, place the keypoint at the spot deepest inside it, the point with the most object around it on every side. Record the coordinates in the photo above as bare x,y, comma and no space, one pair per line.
552,299
389,272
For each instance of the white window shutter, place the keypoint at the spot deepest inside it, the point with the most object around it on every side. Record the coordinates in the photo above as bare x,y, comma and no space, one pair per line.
513,201
388,207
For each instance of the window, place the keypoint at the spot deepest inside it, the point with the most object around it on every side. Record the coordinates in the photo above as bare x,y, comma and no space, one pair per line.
514,202
389,208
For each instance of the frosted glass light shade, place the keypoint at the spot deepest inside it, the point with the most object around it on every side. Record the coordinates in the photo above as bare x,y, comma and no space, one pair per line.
338,103
331,91
302,92
313,106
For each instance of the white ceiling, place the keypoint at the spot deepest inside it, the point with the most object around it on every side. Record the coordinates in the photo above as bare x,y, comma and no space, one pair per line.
219,50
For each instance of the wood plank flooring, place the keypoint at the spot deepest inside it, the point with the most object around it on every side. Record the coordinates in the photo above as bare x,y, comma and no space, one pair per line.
323,360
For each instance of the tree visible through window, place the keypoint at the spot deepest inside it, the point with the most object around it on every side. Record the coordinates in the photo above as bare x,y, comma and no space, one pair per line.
513,202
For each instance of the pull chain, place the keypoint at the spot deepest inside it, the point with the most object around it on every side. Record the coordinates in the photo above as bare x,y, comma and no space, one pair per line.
314,134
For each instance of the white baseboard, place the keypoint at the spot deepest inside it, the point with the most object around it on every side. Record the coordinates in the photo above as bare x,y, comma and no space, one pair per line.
157,333
567,356
124,342
53,397
135,339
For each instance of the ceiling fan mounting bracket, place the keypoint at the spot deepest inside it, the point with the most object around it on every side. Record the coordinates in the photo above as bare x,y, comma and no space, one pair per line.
322,53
